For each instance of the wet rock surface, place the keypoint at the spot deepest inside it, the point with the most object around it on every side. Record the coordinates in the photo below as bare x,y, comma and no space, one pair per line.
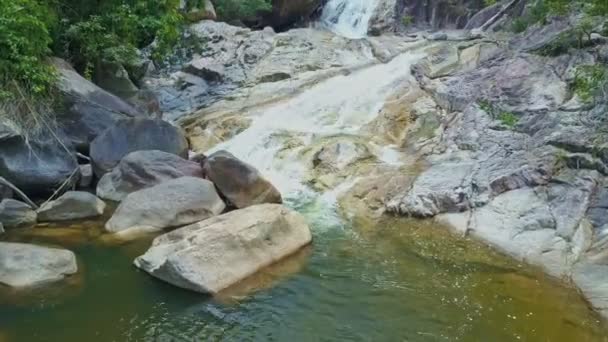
240,183
25,265
514,165
213,254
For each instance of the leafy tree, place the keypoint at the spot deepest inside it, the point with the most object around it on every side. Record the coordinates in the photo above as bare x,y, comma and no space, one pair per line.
24,42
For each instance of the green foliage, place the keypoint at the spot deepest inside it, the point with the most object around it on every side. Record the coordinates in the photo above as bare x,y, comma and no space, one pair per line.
113,30
407,20
24,41
590,81
238,9
508,119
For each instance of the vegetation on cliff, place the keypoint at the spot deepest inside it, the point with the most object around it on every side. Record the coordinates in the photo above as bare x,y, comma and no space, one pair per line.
87,33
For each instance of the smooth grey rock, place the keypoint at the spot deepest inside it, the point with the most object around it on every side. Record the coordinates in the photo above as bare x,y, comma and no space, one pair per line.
72,205
86,176
438,36
592,279
442,188
37,166
174,203
25,265
89,109
213,254
239,182
15,214
143,169
5,192
132,135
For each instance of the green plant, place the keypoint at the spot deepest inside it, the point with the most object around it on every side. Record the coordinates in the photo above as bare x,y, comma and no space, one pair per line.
239,9
407,20
590,81
508,119
24,44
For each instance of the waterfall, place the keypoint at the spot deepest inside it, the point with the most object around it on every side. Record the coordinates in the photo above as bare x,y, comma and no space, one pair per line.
348,18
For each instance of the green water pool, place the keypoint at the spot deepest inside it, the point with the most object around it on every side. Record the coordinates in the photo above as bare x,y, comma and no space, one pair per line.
399,280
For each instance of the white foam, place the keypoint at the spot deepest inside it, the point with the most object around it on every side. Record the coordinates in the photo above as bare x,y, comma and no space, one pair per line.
348,18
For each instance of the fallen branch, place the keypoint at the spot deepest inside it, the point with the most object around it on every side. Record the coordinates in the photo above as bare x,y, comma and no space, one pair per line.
19,193
60,188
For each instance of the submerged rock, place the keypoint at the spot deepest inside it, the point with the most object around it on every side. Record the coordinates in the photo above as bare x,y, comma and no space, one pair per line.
144,169
71,206
214,254
136,134
239,182
24,265
15,214
171,204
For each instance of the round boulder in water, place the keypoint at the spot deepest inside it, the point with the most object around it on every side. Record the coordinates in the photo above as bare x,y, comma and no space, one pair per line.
24,265
143,169
71,206
132,135
174,203
240,183
211,255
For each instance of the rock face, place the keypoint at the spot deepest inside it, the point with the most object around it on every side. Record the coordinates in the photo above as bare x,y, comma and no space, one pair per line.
38,166
518,160
171,204
15,214
439,13
144,169
275,64
136,134
72,205
238,181
214,254
25,265
89,109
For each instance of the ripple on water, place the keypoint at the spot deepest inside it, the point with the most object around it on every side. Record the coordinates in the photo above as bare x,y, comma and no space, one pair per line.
398,280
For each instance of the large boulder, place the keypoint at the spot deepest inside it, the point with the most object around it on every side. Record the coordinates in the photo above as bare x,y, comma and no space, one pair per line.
132,135
214,254
174,203
37,165
15,214
71,206
239,182
144,169
25,265
89,109
288,12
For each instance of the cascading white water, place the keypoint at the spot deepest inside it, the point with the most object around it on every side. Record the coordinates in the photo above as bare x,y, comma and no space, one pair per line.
342,105
348,18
